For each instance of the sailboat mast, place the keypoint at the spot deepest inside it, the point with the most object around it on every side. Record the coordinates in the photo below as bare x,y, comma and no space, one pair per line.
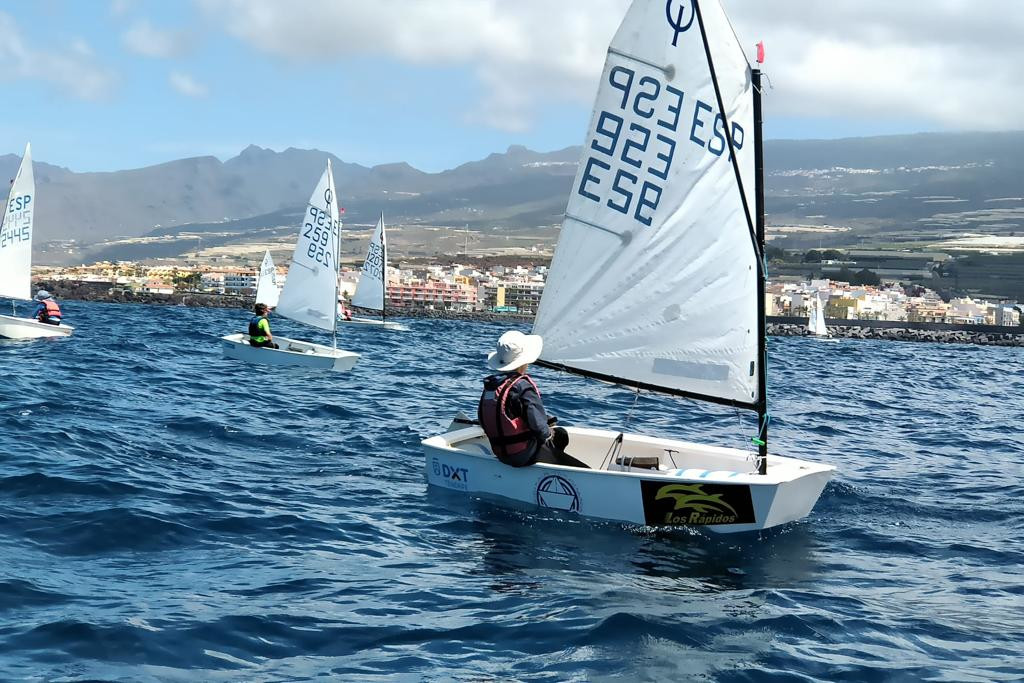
756,225
383,270
14,308
762,353
336,230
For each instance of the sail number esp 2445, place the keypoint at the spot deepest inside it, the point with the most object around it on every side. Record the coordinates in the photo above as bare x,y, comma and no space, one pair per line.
16,226
633,143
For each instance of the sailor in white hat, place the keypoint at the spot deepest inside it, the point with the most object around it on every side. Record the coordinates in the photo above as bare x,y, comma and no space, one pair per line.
511,412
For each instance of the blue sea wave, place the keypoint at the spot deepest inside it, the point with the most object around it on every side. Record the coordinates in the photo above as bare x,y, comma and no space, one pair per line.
170,515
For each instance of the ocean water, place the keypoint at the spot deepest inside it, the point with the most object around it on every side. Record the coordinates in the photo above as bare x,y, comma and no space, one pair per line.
170,515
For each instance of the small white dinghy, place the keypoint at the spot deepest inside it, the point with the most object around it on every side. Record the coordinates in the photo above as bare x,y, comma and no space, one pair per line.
310,293
371,292
636,479
293,353
16,228
657,283
13,327
373,323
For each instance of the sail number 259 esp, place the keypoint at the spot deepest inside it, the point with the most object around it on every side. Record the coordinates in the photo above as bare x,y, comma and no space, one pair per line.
317,229
633,143
16,226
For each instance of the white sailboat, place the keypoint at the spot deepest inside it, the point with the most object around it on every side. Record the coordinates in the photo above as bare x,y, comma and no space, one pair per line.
16,228
310,292
816,318
371,292
267,290
657,283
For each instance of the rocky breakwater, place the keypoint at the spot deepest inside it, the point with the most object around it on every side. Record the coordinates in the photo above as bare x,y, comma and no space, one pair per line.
102,291
485,316
962,336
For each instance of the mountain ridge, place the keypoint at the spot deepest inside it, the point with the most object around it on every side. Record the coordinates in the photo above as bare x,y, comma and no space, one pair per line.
880,183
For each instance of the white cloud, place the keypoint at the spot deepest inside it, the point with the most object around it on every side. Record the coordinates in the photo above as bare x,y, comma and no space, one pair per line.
186,85
144,39
522,52
948,63
72,70
120,7
944,63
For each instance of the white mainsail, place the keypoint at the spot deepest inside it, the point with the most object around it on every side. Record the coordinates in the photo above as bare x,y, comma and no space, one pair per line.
654,281
370,292
310,294
267,291
16,233
816,318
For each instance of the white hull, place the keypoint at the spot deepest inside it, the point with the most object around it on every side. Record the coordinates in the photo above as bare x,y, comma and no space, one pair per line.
371,322
693,485
293,353
27,328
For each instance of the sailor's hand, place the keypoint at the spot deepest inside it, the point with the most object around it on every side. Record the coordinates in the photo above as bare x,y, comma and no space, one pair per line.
552,420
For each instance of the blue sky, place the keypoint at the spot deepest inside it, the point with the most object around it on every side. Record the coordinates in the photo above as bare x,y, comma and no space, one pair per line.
110,84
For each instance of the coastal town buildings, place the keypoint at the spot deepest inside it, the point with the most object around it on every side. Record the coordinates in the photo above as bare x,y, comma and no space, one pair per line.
432,294
517,289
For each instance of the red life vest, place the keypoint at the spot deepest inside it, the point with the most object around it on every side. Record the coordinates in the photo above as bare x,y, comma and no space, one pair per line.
508,435
52,311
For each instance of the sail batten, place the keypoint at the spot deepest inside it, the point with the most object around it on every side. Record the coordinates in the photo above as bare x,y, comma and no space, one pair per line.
633,384
655,279
310,293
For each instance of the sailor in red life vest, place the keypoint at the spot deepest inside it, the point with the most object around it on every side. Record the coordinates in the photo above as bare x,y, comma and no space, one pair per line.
47,311
511,412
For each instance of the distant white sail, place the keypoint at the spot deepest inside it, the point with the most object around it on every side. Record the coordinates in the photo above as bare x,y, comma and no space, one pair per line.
370,292
816,318
267,291
16,234
654,280
310,293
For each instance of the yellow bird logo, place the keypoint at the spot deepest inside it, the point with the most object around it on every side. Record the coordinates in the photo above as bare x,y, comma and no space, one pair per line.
692,497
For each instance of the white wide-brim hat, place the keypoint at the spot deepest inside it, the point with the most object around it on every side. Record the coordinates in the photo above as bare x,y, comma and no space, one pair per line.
42,295
515,350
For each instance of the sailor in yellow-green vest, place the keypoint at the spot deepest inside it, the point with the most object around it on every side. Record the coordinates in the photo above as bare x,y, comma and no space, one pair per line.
259,328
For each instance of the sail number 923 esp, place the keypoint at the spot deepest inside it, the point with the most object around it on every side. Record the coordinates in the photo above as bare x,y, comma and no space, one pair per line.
317,229
633,143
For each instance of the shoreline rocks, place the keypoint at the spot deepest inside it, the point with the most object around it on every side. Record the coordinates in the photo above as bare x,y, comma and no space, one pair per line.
903,334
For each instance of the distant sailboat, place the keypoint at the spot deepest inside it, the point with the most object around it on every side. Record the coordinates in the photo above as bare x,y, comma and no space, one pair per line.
267,290
816,318
372,290
657,284
16,228
310,293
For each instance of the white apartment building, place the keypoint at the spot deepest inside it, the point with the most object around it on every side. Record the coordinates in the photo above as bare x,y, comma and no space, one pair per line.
239,282
212,282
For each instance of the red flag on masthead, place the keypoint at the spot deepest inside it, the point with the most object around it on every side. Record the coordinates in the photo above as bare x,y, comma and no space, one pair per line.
760,52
